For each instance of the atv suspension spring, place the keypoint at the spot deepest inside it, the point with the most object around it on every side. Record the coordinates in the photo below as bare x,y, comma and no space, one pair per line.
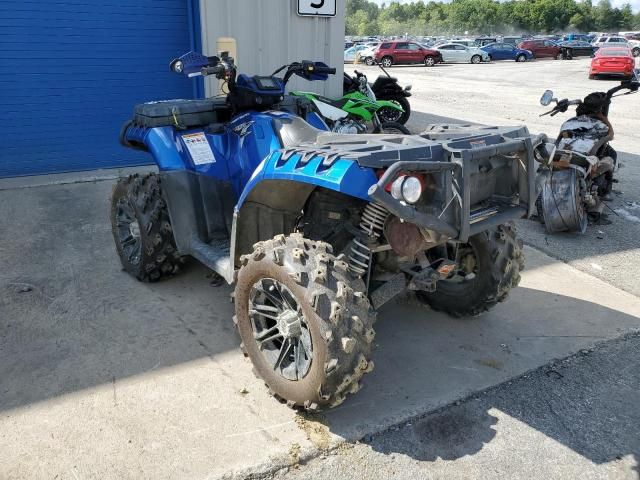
371,225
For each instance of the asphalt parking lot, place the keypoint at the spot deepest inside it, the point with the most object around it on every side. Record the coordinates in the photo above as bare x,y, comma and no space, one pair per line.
105,377
508,93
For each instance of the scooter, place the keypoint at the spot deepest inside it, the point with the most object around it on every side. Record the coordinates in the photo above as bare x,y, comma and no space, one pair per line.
387,88
356,110
576,170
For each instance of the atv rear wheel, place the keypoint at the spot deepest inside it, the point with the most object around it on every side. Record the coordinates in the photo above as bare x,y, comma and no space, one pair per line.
489,267
142,230
304,322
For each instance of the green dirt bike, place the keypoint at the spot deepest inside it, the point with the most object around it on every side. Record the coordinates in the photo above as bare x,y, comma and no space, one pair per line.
355,111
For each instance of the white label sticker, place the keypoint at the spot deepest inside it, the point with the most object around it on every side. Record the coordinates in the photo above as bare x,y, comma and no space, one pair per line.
199,148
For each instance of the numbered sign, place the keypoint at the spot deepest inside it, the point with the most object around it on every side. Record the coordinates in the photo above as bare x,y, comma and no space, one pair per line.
317,8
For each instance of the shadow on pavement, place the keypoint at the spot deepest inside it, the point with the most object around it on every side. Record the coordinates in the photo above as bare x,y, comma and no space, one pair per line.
587,403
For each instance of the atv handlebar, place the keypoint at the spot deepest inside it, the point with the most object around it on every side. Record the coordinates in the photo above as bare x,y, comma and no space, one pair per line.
306,69
217,70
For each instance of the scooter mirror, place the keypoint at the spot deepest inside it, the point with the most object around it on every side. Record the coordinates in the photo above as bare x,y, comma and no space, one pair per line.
546,98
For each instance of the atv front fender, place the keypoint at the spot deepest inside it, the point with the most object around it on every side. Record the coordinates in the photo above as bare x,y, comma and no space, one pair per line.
278,191
315,169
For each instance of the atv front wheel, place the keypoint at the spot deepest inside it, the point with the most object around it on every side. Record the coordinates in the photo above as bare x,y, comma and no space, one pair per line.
304,322
142,230
487,268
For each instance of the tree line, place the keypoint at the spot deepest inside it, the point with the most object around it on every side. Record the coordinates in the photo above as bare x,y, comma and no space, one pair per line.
364,17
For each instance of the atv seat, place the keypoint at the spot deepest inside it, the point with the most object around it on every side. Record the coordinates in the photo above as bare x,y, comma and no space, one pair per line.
295,131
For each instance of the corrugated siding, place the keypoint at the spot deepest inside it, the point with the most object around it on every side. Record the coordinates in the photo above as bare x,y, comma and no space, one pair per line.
269,33
71,71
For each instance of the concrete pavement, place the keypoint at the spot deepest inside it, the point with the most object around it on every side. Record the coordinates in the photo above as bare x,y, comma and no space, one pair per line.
576,418
105,377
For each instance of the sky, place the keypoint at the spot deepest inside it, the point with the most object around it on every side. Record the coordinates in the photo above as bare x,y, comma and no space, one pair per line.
635,4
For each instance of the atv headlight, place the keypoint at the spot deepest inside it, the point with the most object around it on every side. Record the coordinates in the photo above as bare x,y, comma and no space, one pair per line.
407,189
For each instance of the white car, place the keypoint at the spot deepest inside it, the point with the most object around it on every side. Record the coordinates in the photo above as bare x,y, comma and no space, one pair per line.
367,55
454,52
634,45
610,41
350,53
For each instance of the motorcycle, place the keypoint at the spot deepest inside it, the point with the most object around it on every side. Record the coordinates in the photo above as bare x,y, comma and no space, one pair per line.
576,170
387,88
352,113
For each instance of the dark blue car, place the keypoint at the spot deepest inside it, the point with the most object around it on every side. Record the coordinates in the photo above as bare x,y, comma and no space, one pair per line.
506,51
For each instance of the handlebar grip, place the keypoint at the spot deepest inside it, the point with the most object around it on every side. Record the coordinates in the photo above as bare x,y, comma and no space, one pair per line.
328,70
213,70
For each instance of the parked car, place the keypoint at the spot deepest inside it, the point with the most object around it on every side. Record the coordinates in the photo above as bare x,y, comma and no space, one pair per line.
577,48
541,48
395,53
512,40
350,53
466,43
609,40
634,45
577,36
367,55
454,52
615,61
481,41
506,51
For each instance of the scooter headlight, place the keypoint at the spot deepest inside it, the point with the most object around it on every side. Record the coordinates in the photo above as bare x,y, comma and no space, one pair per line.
407,188
178,66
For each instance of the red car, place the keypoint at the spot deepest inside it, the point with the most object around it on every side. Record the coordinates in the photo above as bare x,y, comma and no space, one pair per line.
542,48
395,53
612,61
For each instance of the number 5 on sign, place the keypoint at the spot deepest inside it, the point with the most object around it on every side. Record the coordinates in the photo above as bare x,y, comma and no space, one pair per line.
319,8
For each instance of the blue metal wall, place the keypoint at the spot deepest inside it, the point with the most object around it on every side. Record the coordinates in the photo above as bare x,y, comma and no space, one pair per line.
71,71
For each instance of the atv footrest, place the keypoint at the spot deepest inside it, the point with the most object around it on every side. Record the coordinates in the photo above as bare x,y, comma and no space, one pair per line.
215,255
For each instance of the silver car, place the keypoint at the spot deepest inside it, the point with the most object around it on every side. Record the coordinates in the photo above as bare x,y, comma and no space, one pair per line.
454,52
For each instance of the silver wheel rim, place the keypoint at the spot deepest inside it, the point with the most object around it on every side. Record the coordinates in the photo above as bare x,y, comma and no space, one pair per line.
429,62
475,59
280,329
386,62
128,232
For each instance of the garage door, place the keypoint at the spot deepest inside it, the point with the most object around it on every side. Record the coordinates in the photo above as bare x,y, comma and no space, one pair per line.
71,71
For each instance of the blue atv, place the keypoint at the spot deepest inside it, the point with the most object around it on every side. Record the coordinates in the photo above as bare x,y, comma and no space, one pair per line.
317,230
